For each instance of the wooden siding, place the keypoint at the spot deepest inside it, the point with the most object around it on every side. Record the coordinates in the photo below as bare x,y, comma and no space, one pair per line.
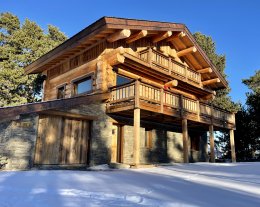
61,140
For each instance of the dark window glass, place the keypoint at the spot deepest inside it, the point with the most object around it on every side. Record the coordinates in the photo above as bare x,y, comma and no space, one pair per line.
83,86
61,92
122,80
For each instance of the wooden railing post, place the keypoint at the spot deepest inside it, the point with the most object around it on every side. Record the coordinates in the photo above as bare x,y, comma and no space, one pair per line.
198,109
162,99
137,94
181,106
170,65
186,73
211,113
150,55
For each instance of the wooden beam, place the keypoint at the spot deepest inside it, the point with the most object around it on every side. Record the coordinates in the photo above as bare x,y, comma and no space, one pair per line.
232,145
186,51
211,81
176,36
185,141
212,143
136,36
137,77
122,34
209,97
161,36
172,83
69,114
136,149
205,70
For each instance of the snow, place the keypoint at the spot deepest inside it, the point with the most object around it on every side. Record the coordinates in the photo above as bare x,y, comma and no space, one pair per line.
177,185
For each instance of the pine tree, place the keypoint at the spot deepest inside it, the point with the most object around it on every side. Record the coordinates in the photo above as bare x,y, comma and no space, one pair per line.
20,45
247,135
222,99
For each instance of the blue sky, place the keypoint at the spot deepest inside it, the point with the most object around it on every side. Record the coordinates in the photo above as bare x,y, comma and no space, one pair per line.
233,24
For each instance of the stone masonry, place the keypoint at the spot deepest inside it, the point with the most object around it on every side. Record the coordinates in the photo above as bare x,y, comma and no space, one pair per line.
17,142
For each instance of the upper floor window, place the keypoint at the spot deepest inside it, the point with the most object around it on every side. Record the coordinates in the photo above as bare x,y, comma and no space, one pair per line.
83,85
61,92
120,80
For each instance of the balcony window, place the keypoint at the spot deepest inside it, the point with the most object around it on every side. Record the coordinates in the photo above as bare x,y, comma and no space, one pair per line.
83,85
120,80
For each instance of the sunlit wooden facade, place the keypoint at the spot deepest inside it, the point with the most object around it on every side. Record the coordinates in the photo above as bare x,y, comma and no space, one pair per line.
147,71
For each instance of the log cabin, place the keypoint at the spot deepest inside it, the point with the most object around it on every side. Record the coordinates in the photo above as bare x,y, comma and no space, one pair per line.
119,91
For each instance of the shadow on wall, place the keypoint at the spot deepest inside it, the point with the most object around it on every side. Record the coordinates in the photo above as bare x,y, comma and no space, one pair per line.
167,147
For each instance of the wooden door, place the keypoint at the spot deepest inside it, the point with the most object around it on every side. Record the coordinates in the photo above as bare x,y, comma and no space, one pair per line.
117,144
74,143
61,140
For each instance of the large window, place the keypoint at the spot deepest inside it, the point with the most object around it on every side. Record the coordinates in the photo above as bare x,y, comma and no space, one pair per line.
120,80
83,85
61,92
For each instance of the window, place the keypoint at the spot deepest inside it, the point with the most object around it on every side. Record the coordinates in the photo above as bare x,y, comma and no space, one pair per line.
83,86
61,92
148,142
120,80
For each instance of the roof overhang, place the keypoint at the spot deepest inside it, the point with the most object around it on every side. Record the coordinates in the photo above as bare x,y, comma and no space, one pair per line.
104,27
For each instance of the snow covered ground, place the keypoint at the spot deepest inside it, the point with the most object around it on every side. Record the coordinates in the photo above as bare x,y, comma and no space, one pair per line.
200,184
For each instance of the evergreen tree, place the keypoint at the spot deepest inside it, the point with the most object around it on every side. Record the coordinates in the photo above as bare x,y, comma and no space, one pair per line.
20,45
222,99
247,135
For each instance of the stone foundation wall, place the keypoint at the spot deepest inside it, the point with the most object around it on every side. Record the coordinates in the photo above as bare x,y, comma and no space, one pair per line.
17,142
18,138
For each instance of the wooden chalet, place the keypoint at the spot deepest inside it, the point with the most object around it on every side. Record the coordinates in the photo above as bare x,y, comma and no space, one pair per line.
128,91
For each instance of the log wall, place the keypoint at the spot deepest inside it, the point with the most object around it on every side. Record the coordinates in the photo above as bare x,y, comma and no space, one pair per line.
90,61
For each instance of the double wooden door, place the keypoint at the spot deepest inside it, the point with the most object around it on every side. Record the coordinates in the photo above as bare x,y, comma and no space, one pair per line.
62,140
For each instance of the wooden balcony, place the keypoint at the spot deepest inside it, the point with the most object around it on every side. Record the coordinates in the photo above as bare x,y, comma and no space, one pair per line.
159,101
169,65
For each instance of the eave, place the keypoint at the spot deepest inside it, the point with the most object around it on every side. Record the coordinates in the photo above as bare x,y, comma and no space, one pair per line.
101,29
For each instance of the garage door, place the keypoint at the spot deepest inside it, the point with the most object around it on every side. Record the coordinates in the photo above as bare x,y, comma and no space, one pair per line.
62,140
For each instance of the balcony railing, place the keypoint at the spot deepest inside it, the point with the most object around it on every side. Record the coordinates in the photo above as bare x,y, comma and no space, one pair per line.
169,65
163,101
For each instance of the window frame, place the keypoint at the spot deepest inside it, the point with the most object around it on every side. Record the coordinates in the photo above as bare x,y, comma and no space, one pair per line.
79,80
59,87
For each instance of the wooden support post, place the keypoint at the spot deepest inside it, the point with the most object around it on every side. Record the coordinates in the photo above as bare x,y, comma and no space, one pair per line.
232,145
137,93
211,138
136,150
185,141
162,99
